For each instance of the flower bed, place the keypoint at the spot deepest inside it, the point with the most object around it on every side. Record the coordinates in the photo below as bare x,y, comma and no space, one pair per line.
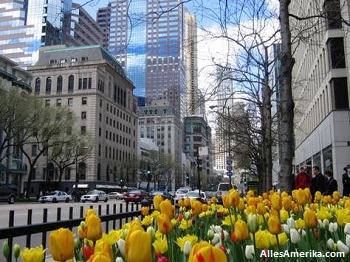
271,227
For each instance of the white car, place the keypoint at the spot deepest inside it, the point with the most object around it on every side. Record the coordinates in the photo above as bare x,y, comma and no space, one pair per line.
195,195
56,196
116,195
181,193
94,196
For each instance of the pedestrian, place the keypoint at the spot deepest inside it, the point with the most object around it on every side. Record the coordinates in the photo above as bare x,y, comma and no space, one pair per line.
318,181
331,184
302,179
346,181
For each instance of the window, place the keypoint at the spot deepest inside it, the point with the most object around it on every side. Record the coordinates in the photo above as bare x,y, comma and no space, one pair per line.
70,101
59,85
84,100
336,52
47,102
83,115
58,102
83,130
71,84
48,85
331,9
34,150
340,93
37,86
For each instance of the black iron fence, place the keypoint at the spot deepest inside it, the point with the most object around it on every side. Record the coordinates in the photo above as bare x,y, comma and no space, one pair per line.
112,218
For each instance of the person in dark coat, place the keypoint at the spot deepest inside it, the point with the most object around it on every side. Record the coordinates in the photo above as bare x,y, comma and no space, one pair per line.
331,184
346,181
318,181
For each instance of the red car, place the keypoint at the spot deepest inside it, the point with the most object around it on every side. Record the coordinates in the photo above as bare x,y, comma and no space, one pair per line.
136,196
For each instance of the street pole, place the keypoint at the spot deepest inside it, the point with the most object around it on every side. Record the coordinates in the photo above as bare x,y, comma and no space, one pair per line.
199,179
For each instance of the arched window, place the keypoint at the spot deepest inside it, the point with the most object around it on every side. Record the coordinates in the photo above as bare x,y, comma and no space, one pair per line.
37,86
59,84
71,84
48,85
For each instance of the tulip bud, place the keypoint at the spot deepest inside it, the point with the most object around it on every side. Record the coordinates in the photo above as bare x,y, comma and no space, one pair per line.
249,251
16,250
119,259
216,239
333,227
325,223
151,231
252,222
342,247
347,240
187,247
291,222
294,236
121,246
6,250
210,234
285,228
187,215
330,244
347,228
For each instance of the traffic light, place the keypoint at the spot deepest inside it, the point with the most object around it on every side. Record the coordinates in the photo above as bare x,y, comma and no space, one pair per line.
149,173
121,182
187,179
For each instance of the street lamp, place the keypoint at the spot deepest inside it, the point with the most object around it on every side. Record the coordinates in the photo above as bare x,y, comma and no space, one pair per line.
229,158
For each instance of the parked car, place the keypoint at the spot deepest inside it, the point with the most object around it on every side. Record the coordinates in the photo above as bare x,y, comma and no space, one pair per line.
56,196
164,194
8,193
181,192
116,195
222,190
195,195
136,196
95,196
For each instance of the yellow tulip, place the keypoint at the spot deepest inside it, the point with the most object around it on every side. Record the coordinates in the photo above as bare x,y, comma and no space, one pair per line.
105,248
283,215
260,209
274,225
234,198
287,203
164,224
276,201
138,247
160,245
310,218
61,244
241,205
187,202
300,224
300,196
196,207
167,208
157,200
35,254
262,239
180,241
336,195
181,203
99,257
241,230
208,253
214,200
93,227
282,239
89,212
318,196
226,201
81,230
144,211
250,210
343,217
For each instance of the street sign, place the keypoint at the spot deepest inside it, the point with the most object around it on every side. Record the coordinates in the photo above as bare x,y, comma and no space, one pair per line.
229,173
229,168
229,161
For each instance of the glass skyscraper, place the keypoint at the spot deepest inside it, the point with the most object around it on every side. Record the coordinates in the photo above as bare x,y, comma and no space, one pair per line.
147,38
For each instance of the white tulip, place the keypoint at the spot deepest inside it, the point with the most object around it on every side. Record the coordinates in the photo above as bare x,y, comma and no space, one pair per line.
294,236
285,228
325,223
347,240
330,244
291,222
347,228
303,232
187,248
216,239
121,246
119,259
249,251
342,247
333,227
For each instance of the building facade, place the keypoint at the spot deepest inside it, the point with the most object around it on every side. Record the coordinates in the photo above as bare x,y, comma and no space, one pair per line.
321,90
147,37
160,123
12,166
94,86
27,25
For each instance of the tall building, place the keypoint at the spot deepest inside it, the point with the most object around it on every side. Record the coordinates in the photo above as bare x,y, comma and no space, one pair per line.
91,82
27,25
147,37
321,89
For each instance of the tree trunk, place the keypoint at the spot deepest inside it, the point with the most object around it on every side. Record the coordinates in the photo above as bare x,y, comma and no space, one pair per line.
286,103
